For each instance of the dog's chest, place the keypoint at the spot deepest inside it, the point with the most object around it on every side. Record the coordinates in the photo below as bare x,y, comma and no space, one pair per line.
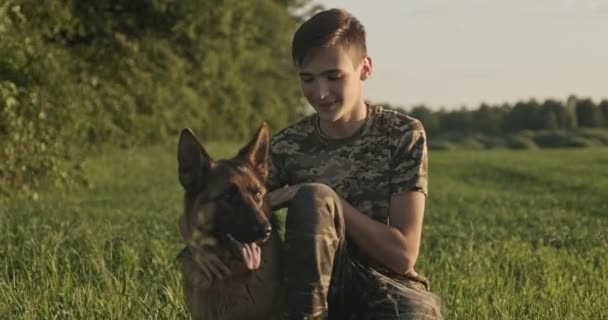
238,301
254,296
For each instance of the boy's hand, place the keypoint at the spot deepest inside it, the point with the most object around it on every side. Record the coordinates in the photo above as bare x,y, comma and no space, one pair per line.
280,198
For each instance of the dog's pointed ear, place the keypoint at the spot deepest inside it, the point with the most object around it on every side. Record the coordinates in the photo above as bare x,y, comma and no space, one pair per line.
193,160
256,151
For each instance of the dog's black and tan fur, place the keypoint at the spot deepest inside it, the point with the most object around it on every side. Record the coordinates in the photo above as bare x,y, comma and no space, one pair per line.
224,206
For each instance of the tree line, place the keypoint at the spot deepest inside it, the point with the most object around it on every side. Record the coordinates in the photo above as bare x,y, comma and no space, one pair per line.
494,120
572,122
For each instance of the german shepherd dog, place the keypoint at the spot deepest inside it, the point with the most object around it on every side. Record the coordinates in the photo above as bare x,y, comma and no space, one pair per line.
224,209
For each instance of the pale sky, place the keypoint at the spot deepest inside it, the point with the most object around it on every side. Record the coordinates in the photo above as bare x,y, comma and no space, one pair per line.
463,52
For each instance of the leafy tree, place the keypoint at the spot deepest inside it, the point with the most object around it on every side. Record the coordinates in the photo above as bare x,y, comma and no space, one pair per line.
524,116
553,115
429,119
77,75
589,115
488,120
604,108
457,121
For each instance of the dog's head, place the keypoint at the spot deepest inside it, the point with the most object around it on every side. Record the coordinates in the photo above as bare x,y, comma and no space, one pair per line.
225,199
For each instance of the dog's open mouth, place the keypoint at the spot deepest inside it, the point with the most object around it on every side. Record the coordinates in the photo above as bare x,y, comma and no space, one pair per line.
250,253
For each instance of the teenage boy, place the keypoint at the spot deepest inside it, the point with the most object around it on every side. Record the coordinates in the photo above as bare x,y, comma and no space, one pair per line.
353,178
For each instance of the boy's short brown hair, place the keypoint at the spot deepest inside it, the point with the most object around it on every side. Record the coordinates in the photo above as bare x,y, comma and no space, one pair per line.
328,28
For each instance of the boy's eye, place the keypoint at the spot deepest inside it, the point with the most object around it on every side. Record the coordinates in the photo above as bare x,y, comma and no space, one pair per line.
306,79
334,76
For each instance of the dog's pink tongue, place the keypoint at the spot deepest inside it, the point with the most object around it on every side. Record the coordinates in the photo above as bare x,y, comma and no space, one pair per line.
251,255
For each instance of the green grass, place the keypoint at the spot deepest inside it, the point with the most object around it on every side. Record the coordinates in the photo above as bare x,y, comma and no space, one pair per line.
507,235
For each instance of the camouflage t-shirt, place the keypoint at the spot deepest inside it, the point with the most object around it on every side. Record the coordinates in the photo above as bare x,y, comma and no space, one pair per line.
387,155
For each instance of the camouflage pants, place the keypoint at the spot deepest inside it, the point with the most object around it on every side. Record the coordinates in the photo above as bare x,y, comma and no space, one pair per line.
323,281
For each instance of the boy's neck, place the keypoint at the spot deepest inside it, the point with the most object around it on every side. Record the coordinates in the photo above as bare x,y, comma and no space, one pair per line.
347,125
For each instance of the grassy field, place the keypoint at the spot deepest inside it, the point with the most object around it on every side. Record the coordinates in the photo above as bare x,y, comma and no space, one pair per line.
508,235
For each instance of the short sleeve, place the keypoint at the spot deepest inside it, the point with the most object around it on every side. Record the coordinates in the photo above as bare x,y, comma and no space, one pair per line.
409,159
276,171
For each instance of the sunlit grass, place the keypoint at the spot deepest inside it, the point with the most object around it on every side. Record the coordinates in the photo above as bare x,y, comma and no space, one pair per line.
508,235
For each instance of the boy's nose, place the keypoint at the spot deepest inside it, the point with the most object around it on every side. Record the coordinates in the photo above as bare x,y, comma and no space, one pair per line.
321,90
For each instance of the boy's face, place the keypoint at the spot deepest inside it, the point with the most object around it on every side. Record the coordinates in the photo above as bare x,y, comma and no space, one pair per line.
331,80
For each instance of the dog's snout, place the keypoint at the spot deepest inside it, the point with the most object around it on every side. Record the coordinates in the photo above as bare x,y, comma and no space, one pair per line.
267,230
264,230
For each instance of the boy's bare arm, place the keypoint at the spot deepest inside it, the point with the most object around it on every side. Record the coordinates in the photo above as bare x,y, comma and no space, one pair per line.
395,246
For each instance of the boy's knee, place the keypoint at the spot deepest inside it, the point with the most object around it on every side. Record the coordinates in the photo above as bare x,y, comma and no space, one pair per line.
314,203
314,193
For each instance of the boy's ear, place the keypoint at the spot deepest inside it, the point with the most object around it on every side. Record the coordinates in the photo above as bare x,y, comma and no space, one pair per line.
256,151
366,68
194,162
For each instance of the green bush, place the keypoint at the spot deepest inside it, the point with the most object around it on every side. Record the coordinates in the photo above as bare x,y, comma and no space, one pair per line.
77,76
29,149
561,139
491,142
520,142
443,145
600,136
471,143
